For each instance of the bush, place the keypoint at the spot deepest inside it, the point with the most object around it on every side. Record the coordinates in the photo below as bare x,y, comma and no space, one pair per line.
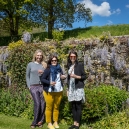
103,100
57,35
118,120
19,57
15,101
14,45
100,101
20,54
65,112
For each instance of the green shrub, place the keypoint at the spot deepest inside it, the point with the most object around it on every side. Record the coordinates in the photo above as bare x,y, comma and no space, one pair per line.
103,100
14,45
65,112
100,101
57,35
14,101
18,59
118,120
4,41
20,54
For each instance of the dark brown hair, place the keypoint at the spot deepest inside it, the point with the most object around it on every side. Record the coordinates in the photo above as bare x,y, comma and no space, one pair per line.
50,59
69,63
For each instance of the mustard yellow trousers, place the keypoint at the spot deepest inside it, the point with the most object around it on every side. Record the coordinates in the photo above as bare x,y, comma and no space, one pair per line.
53,100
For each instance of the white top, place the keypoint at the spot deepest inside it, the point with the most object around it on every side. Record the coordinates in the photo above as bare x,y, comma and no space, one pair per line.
58,86
75,94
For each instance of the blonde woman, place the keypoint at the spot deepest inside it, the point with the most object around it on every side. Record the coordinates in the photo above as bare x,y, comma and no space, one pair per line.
33,73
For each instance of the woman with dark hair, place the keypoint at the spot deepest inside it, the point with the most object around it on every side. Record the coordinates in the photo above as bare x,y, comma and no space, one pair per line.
76,95
53,90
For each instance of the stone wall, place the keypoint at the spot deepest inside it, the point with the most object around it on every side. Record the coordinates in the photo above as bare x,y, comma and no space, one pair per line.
4,78
106,59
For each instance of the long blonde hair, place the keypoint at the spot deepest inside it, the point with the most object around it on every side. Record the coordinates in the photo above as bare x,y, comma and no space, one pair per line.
35,54
44,64
34,57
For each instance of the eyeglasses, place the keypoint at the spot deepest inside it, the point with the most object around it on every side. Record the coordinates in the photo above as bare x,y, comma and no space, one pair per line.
72,56
53,60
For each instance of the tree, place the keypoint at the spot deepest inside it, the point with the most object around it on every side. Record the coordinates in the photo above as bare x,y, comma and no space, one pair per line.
13,12
3,29
59,13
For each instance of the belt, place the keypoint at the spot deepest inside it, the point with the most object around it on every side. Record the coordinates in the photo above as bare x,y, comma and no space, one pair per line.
36,85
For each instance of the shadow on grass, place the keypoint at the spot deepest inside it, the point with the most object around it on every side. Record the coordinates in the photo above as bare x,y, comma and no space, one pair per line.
75,32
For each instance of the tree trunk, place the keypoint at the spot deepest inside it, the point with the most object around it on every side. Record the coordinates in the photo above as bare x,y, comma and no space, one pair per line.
50,19
50,28
11,25
14,25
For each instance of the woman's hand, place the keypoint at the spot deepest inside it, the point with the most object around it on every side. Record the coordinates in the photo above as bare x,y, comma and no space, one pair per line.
67,92
62,76
75,76
52,83
40,71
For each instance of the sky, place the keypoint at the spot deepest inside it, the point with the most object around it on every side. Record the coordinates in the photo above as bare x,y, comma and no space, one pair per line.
106,12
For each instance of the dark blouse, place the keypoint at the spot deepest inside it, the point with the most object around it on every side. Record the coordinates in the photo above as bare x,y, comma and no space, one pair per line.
78,70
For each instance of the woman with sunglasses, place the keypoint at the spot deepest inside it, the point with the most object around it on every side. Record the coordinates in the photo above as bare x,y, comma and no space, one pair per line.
53,90
76,95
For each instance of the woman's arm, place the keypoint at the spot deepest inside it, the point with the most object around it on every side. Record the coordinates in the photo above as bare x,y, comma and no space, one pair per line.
80,69
83,76
44,77
28,75
62,76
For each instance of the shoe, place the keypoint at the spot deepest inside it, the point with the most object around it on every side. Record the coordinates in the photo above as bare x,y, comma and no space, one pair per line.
72,126
33,126
56,125
50,127
40,124
76,127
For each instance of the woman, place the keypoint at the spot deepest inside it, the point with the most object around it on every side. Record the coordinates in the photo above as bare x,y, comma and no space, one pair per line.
53,91
76,95
33,73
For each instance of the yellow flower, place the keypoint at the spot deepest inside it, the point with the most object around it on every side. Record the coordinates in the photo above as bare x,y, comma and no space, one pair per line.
51,47
14,45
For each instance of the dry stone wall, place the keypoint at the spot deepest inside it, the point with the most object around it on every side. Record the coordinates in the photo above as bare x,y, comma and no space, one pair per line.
106,59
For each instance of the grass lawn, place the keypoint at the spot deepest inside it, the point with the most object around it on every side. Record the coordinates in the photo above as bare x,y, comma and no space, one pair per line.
118,120
10,122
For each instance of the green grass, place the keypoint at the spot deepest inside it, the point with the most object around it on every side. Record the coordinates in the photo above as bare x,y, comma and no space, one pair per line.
96,31
11,122
118,120
79,33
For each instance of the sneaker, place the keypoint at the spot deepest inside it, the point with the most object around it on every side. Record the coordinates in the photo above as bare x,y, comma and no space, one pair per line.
40,124
33,126
72,127
56,125
50,127
76,127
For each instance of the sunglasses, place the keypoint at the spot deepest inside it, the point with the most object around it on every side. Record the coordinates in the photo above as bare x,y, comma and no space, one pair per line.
72,56
53,60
